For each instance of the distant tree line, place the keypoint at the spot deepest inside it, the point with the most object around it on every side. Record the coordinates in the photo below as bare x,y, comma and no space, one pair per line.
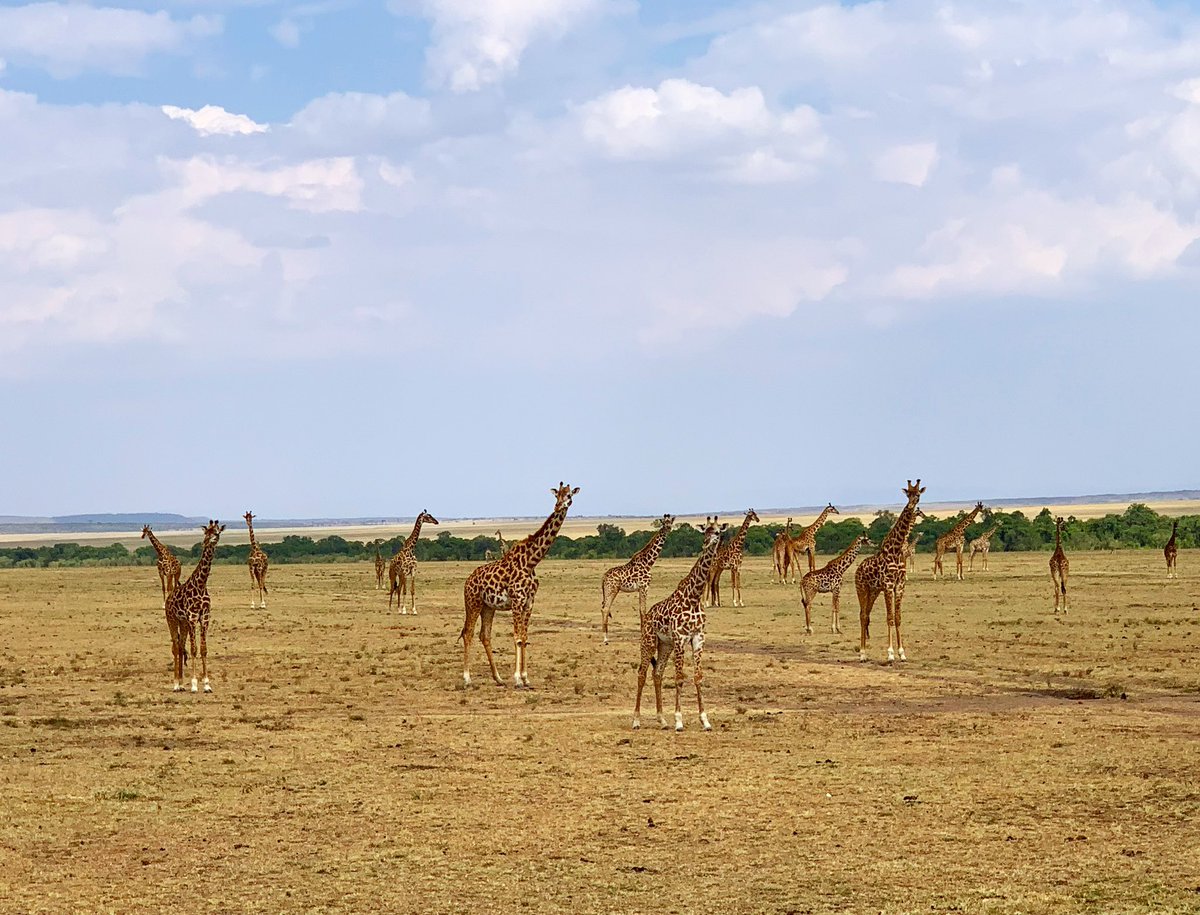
1137,527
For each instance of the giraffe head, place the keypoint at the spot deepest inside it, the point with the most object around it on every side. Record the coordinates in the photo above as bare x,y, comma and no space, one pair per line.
1058,523
863,540
979,507
913,493
212,530
751,515
426,518
833,511
665,523
563,495
145,531
712,532
249,516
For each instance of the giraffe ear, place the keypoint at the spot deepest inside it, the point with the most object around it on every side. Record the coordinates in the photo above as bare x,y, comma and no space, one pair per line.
575,491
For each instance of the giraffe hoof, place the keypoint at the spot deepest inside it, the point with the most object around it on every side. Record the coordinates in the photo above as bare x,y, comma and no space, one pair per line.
662,722
704,721
207,687
194,686
176,688
902,658
678,721
637,724
466,679
862,657
891,656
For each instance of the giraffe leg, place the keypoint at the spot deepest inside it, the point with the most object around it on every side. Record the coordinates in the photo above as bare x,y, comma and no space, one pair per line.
837,613
262,587
899,600
812,558
191,633
735,586
959,563
806,599
866,600
678,644
889,601
664,652
485,638
204,656
519,632
647,654
697,676
412,591
253,596
472,614
176,653
608,594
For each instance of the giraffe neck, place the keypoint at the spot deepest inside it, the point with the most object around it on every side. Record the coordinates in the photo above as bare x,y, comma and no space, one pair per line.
650,552
964,522
689,589
412,538
846,558
1057,537
161,550
735,545
199,577
253,542
812,529
530,551
898,535
1174,531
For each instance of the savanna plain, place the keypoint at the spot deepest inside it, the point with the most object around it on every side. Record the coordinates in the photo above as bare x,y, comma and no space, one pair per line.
1018,762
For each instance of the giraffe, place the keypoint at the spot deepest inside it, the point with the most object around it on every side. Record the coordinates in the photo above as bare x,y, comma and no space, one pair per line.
380,565
729,556
188,608
1171,552
633,575
828,580
258,567
884,574
674,623
168,565
510,583
780,549
909,553
954,539
807,541
982,545
1059,566
501,546
403,568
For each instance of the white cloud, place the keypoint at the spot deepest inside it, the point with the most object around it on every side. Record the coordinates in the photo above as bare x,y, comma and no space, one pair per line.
68,38
317,185
910,163
480,42
213,119
361,120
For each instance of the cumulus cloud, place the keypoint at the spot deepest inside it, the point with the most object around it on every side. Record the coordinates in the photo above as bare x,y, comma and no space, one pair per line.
69,38
213,119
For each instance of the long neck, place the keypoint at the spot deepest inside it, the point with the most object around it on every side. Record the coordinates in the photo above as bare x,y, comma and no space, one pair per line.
1057,537
740,537
532,549
253,542
199,574
1174,530
965,521
898,535
689,589
847,555
650,552
161,550
816,525
988,535
412,538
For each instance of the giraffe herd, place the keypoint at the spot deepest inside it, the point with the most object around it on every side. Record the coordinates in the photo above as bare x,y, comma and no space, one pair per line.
509,583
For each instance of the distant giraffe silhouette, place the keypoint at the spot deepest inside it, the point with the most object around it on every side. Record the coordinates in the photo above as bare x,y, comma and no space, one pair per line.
380,565
982,545
884,574
1060,566
671,625
402,570
729,556
1171,552
168,565
633,576
954,539
258,567
828,580
779,550
910,553
806,541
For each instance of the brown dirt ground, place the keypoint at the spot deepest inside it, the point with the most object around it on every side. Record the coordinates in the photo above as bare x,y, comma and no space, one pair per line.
340,766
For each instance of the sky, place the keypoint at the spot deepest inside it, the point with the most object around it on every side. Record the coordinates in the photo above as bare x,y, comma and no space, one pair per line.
345,258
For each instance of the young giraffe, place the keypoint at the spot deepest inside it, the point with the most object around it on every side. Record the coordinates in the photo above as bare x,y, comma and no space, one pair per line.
884,574
729,557
1059,566
403,568
634,575
909,554
982,545
510,583
828,580
779,550
673,624
188,608
1171,552
168,566
258,567
380,565
954,539
807,541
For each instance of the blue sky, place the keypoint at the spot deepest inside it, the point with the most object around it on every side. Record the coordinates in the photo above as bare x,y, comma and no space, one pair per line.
347,258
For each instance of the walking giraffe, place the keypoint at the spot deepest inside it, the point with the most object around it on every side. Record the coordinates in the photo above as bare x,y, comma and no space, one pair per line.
258,567
403,568
673,624
954,539
380,565
510,583
1060,566
884,574
1170,551
729,556
982,545
828,580
806,542
779,550
188,608
633,575
168,565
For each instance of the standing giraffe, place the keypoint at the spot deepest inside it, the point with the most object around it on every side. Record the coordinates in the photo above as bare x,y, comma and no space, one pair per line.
884,574
954,539
807,541
403,568
828,580
510,583
729,557
1059,566
258,567
909,553
634,575
380,565
779,550
168,565
501,546
188,608
982,545
1170,551
673,624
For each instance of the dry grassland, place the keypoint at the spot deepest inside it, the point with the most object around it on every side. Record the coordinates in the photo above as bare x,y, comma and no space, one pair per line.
1017,763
